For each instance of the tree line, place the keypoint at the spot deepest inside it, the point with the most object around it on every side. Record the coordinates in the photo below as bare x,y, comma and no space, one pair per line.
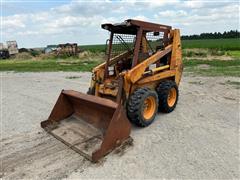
215,35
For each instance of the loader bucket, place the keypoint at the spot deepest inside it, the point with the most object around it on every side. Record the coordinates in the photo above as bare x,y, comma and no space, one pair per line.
90,125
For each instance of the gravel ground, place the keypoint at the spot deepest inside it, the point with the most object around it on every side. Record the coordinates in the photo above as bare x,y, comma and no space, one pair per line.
199,140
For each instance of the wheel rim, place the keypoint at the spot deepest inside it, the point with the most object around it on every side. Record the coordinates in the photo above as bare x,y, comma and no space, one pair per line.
149,107
172,96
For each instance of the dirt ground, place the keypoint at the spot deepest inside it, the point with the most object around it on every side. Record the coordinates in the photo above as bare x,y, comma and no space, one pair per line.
199,140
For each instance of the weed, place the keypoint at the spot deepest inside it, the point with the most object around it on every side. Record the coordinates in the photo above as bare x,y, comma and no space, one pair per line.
233,53
73,77
214,67
196,82
46,65
235,84
216,52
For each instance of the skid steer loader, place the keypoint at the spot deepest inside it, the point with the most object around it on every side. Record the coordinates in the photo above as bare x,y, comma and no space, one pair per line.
140,77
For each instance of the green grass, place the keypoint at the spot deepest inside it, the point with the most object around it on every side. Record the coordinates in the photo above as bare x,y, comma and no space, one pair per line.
233,53
87,61
221,44
213,67
46,65
94,48
234,84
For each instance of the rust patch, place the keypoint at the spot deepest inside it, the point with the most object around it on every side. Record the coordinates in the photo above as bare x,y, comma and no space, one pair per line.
122,149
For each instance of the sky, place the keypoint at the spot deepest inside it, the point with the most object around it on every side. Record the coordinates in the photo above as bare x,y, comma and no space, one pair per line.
37,23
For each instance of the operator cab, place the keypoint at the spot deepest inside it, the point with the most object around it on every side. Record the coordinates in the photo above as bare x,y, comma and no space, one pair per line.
131,42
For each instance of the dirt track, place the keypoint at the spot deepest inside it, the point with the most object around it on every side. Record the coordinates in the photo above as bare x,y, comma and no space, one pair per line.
200,139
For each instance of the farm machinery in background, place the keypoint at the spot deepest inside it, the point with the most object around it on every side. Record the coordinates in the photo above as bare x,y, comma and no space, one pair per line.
67,49
10,49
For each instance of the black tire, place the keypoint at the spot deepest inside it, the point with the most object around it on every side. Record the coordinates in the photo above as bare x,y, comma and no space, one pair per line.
136,106
163,91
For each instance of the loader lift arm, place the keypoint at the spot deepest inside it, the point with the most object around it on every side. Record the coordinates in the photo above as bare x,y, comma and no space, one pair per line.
136,73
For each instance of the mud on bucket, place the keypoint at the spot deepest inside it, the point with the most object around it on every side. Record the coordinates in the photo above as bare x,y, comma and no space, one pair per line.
90,125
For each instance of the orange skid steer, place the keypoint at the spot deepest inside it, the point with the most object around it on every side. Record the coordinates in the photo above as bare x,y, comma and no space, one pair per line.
140,77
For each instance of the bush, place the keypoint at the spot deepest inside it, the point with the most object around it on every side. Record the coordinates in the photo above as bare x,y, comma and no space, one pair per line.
195,53
215,52
23,56
46,56
34,52
84,54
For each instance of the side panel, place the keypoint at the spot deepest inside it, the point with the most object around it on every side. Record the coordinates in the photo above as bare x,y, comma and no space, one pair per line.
158,76
153,81
176,58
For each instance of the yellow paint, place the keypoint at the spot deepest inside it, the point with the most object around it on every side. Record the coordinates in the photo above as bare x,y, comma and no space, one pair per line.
157,69
156,77
172,97
149,107
134,78
144,45
176,58
136,73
